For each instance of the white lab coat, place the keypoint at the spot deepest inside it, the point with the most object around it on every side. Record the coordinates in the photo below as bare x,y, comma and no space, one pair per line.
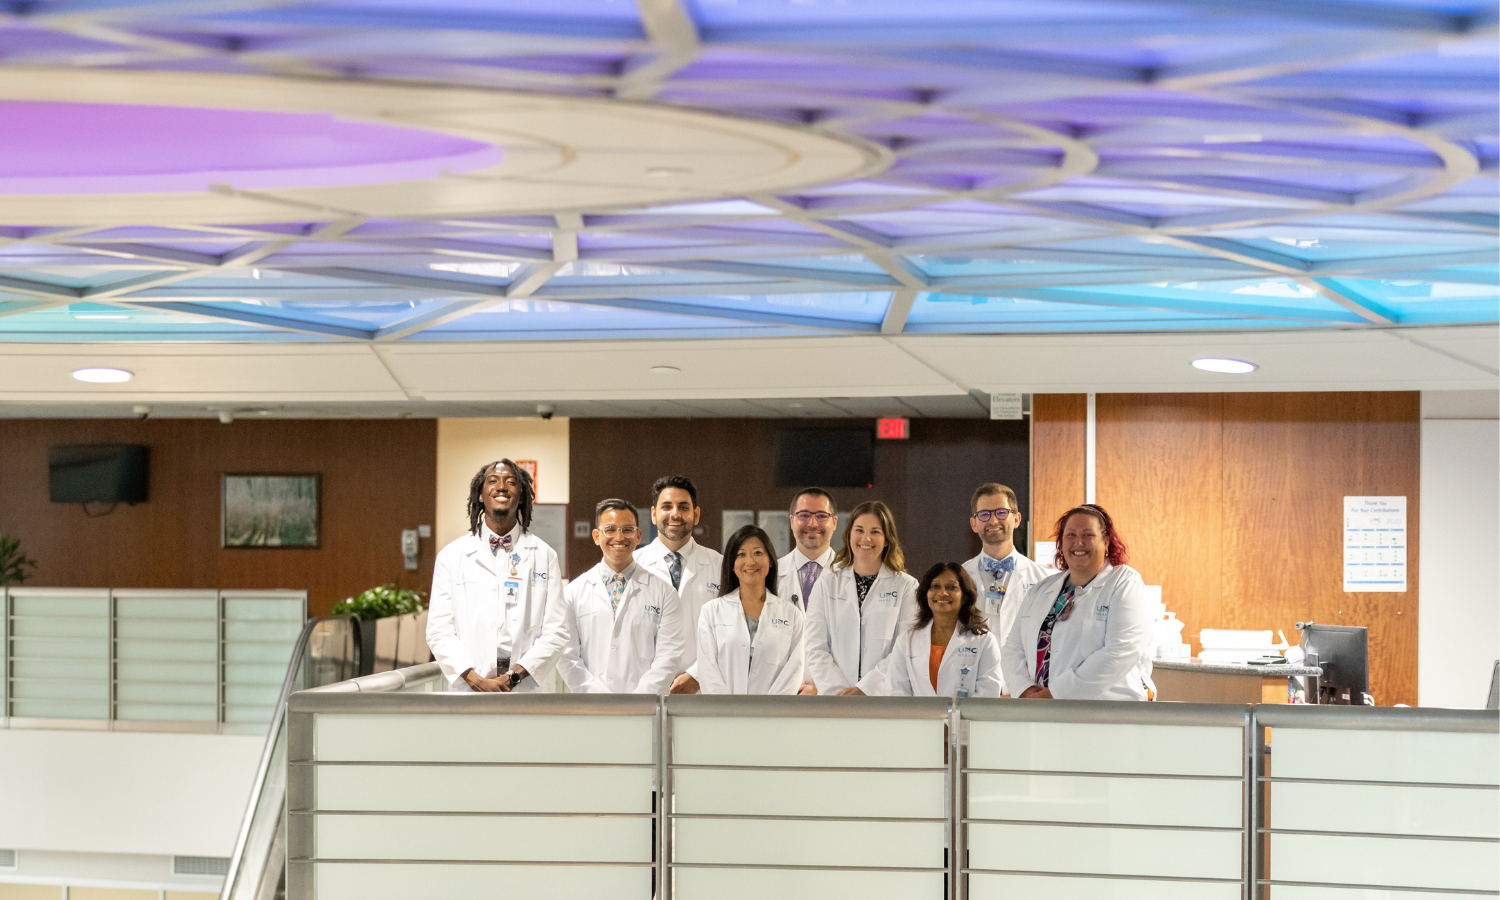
846,644
1101,652
474,596
789,580
970,666
699,584
1001,613
725,665
634,651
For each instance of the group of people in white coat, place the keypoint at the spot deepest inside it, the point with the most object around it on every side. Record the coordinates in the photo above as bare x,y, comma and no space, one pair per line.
676,616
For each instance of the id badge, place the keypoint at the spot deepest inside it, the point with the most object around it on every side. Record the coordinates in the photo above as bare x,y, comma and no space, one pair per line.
512,592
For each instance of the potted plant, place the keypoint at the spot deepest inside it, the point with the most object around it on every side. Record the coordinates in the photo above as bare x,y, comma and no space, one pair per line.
389,611
13,563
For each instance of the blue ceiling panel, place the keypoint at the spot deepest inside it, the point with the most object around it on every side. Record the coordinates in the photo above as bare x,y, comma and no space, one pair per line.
1084,165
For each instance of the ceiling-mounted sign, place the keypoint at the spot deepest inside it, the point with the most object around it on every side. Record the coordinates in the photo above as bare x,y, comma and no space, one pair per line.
893,429
1375,544
1005,406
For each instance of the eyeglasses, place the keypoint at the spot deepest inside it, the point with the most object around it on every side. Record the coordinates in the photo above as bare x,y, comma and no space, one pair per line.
804,517
984,515
626,530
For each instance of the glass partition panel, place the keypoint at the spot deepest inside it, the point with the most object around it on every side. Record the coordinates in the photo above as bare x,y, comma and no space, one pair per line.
260,628
803,797
403,794
1366,803
166,655
58,653
1127,800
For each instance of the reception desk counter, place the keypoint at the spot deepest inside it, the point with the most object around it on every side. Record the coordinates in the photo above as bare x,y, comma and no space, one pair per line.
1194,681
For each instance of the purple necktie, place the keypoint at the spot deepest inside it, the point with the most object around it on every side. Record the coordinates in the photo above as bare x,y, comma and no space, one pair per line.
809,573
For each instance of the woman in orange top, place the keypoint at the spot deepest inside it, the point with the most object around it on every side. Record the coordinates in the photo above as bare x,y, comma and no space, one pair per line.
949,651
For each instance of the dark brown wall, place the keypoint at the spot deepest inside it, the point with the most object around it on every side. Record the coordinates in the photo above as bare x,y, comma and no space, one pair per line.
378,477
1234,504
1059,424
926,479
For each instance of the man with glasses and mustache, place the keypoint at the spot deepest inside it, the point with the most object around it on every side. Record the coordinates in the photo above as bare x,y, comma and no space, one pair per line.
618,628
691,568
814,520
1000,572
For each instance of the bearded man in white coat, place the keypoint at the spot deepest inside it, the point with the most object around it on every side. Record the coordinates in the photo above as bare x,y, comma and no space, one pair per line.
814,519
691,568
618,628
492,589
1001,573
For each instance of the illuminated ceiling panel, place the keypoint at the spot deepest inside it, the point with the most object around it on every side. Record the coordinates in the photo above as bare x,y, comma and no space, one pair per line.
1090,165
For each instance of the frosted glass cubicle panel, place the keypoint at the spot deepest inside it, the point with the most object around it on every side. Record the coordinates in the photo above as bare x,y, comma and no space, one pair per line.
57,653
1124,801
260,629
458,795
1364,803
804,797
167,655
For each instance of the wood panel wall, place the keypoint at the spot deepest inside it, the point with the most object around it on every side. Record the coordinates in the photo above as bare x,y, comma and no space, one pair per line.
926,479
378,477
1234,504
1058,446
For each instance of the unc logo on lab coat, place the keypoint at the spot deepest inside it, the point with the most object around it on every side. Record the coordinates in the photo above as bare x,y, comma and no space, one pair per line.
1101,611
712,586
652,611
972,651
889,595
784,623
539,576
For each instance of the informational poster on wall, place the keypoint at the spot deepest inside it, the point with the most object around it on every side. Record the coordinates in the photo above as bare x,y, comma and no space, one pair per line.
1375,544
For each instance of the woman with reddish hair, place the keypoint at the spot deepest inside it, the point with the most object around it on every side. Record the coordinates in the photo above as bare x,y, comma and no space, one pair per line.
1084,633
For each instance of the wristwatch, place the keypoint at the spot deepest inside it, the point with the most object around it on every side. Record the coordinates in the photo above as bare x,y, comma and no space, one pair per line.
515,678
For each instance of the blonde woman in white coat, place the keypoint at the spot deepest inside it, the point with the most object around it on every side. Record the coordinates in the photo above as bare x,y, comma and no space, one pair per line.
860,605
1084,633
950,650
749,640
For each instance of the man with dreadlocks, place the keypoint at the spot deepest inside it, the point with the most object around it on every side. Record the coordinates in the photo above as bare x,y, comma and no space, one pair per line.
491,590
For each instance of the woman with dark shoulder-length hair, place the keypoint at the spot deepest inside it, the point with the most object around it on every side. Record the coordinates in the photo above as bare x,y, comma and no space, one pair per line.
1084,633
949,651
859,606
749,640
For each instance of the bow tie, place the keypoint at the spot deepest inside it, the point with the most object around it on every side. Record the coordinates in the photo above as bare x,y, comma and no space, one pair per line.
497,542
997,567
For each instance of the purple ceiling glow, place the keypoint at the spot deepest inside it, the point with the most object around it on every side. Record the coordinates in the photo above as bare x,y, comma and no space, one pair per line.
97,148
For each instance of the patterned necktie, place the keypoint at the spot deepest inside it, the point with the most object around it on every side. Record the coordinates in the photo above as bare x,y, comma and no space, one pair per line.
809,572
616,591
998,567
497,542
1061,608
675,570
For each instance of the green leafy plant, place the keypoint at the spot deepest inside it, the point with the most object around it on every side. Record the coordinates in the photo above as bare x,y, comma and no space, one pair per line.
13,563
380,602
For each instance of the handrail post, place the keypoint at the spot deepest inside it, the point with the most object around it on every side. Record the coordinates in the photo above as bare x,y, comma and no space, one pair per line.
1255,742
955,803
663,801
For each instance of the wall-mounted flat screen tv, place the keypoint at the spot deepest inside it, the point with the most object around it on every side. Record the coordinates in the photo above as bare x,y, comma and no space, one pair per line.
97,473
825,457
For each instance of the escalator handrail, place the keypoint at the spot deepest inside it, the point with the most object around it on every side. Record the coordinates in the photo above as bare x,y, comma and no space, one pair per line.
288,687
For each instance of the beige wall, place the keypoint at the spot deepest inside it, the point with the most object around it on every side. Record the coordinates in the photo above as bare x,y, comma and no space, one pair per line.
463,445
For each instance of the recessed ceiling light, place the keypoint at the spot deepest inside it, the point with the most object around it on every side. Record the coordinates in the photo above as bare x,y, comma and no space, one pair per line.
665,370
103,376
1225,366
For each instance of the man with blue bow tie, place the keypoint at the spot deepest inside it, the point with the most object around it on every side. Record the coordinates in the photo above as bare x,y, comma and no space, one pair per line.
1001,573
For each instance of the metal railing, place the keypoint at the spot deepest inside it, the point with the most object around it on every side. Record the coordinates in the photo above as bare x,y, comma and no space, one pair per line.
457,794
326,652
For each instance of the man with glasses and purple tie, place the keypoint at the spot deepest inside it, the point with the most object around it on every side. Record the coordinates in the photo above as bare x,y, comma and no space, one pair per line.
814,520
1000,572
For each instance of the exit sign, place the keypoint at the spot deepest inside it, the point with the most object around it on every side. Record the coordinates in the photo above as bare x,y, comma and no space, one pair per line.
892,429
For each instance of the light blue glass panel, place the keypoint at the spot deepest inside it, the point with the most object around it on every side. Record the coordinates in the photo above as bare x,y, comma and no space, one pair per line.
259,634
550,319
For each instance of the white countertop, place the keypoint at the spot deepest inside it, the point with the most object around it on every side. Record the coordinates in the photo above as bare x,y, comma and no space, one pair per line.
1274,670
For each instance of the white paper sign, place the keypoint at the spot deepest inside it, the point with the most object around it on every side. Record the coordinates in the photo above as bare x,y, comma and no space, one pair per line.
1005,406
1375,544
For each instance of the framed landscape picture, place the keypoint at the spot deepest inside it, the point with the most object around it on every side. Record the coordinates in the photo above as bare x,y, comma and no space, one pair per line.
269,511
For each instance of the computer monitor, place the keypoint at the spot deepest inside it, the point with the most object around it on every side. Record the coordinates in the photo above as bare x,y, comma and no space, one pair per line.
1343,655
